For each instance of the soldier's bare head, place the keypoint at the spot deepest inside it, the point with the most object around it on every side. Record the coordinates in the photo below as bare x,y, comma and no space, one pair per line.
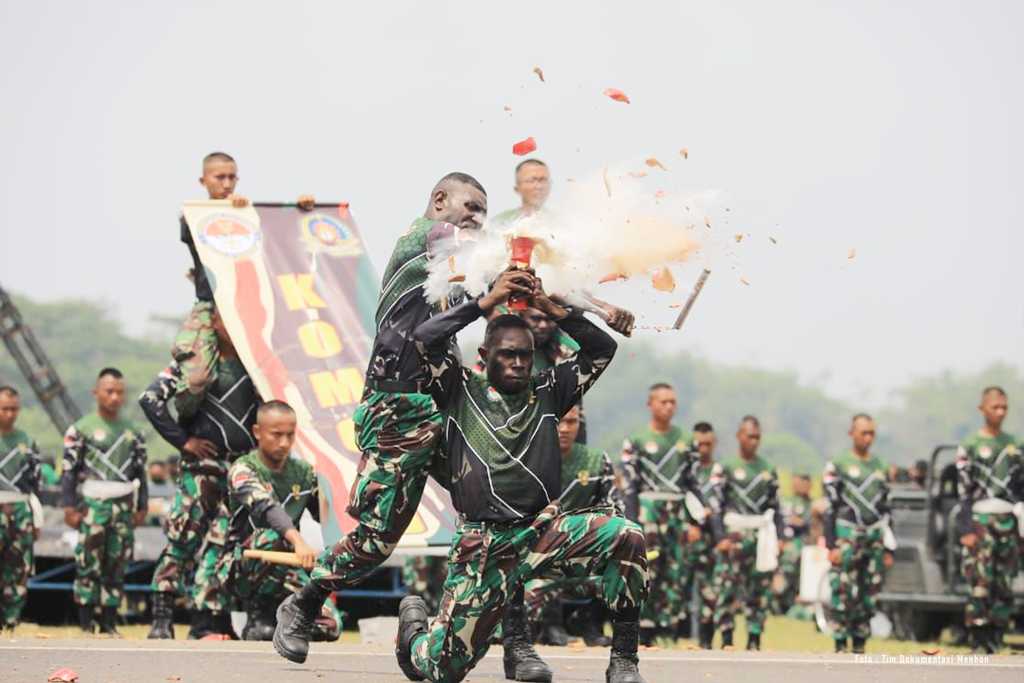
994,406
541,324
749,436
533,183
862,433
220,175
662,402
10,406
459,199
109,393
508,353
568,430
275,432
705,439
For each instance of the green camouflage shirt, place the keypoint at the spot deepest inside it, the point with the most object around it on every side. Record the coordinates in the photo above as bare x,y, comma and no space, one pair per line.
254,491
857,490
989,467
796,508
402,305
749,487
109,451
19,463
588,479
659,460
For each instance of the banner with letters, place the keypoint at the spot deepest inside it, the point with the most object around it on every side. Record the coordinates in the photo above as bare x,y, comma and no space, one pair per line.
297,293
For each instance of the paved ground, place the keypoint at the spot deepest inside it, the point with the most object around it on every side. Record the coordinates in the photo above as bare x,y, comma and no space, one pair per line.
111,661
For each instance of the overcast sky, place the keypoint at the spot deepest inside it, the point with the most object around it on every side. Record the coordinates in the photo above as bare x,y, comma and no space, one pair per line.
890,128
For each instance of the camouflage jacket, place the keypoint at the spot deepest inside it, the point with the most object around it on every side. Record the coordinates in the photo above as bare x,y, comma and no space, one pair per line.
857,492
225,416
19,463
259,498
988,467
588,480
108,451
403,306
662,463
502,449
796,514
748,488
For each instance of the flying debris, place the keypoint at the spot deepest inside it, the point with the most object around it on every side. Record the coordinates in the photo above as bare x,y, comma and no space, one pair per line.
684,153
540,73
663,281
524,147
617,95
852,254
654,163
772,240
745,281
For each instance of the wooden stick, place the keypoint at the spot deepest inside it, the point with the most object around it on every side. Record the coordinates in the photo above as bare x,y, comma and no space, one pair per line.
273,557
699,285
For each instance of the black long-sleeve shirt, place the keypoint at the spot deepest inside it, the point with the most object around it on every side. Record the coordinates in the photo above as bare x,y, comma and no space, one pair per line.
502,449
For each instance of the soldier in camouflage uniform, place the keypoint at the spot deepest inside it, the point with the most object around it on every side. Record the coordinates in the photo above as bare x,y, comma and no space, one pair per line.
796,514
747,494
698,554
657,472
991,478
268,490
397,423
588,480
857,535
212,429
19,481
105,496
500,430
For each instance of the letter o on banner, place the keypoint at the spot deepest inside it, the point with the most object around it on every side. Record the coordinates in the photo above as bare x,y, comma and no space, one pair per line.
319,339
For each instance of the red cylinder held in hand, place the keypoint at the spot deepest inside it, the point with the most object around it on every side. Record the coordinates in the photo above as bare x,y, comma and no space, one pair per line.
522,253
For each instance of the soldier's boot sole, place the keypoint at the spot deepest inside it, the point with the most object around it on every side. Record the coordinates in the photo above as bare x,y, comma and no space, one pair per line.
291,637
412,621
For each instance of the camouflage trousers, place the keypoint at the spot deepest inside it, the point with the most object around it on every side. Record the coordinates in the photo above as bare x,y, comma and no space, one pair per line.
196,503
16,539
737,585
106,538
699,565
989,569
225,579
664,526
398,435
196,350
424,576
856,581
787,577
488,562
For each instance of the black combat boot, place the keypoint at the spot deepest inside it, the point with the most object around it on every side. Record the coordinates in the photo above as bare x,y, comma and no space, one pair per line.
593,625
295,619
85,613
163,617
726,639
840,645
551,633
412,621
201,624
648,636
858,645
522,663
707,634
623,664
259,624
996,638
754,641
108,622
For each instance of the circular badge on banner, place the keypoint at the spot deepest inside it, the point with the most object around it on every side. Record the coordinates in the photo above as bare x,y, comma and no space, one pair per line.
228,234
330,235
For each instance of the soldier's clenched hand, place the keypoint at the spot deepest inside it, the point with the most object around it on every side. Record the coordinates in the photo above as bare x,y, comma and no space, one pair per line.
199,448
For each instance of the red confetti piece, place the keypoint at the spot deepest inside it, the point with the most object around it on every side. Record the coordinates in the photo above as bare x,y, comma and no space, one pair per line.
64,675
617,95
524,147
